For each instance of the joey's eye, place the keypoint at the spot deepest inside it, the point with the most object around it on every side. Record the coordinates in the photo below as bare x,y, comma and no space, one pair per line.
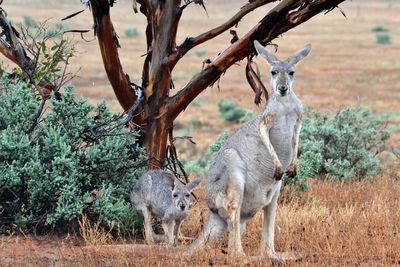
175,195
291,73
273,73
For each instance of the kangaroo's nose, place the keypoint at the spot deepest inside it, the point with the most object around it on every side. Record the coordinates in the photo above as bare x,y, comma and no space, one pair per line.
182,206
283,89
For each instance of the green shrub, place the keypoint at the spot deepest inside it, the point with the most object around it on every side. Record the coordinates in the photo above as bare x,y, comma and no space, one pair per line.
231,113
200,52
60,26
383,38
131,32
30,22
379,28
77,160
202,164
341,146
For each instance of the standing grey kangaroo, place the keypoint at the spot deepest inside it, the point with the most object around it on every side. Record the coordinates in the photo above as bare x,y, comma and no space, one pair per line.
245,176
158,193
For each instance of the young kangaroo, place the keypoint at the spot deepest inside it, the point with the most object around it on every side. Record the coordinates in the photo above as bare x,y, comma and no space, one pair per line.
160,194
245,176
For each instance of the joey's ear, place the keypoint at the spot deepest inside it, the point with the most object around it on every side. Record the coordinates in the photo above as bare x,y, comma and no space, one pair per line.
262,51
193,184
299,55
169,179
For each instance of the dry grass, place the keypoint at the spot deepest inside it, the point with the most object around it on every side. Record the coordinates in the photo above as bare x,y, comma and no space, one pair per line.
92,233
335,224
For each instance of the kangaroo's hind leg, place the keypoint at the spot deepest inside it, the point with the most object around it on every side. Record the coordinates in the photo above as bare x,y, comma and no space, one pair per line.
230,201
148,230
267,234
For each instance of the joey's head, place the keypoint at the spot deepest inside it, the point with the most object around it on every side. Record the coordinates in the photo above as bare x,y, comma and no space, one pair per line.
282,72
180,193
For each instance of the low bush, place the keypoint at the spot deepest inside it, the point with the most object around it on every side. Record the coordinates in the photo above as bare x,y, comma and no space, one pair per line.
341,146
231,113
30,22
202,164
383,38
200,52
379,28
131,32
75,160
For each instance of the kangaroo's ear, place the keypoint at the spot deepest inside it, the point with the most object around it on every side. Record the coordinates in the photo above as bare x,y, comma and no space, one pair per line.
193,184
299,55
262,51
169,179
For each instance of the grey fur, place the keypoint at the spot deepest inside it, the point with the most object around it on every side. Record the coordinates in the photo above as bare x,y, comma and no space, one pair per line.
158,193
245,176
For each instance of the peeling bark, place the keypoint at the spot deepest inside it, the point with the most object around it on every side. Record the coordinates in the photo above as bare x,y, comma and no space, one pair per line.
108,43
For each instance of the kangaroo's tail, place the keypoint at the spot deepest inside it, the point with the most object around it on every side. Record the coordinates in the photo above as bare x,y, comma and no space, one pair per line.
212,231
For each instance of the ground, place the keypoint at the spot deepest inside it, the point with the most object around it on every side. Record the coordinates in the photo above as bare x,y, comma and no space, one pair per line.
337,224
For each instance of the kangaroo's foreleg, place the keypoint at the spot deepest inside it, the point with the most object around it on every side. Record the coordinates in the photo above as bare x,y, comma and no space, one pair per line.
291,169
263,130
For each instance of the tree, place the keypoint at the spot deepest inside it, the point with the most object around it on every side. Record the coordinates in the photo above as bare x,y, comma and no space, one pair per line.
151,106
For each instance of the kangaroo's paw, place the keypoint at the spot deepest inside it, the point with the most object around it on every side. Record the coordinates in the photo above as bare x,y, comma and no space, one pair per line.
278,173
291,171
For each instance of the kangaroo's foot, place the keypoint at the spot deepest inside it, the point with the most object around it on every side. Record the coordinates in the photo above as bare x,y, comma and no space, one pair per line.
281,257
159,238
185,238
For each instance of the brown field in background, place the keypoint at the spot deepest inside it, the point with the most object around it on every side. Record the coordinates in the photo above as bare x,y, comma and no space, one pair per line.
355,223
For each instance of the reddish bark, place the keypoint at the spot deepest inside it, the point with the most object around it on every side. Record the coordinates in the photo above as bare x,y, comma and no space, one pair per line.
108,43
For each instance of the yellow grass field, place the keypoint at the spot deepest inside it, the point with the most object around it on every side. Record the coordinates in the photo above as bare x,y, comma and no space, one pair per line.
335,224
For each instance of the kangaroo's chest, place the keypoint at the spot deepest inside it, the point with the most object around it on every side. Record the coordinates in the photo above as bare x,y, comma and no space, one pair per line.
284,125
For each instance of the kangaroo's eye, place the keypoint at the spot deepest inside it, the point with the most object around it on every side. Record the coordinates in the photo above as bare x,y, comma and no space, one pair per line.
175,195
187,195
291,73
273,73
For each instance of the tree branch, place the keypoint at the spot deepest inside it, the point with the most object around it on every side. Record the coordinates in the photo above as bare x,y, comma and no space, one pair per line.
11,47
283,17
108,43
191,42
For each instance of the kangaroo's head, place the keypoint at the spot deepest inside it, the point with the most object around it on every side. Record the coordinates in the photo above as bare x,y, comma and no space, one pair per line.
180,193
282,72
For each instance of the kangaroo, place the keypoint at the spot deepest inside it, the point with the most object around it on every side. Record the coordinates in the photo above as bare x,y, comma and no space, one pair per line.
158,193
246,174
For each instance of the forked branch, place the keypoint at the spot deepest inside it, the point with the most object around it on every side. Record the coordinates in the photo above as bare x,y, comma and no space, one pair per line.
11,47
191,42
283,17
